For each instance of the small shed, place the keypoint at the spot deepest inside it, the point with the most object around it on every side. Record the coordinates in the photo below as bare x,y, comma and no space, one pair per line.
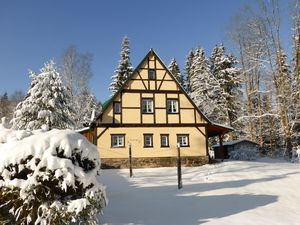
223,152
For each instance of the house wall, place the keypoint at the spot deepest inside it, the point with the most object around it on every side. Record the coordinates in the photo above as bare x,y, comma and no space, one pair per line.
134,136
133,123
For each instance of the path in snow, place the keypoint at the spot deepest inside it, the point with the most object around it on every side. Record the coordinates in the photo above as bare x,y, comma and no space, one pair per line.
235,192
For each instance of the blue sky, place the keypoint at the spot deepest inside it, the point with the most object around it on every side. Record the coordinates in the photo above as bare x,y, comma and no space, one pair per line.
34,31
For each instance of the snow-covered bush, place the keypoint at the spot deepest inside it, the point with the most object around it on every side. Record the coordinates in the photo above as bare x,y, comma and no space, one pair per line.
49,177
242,155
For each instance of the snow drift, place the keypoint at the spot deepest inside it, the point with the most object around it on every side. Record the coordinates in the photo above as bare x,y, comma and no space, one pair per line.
49,177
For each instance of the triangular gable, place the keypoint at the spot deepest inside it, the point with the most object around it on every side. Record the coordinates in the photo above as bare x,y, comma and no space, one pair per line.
136,73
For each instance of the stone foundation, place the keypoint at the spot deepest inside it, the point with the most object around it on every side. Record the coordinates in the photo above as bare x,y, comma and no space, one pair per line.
121,163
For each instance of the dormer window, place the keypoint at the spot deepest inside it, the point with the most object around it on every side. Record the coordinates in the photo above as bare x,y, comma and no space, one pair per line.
151,74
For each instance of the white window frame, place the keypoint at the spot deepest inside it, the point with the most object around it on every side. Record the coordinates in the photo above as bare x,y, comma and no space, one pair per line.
117,140
183,140
172,106
166,137
147,105
150,143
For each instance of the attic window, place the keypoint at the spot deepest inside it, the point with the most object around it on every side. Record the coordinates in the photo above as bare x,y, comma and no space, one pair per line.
151,74
117,107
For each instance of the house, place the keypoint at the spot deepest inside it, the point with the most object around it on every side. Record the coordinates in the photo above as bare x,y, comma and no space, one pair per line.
150,114
238,146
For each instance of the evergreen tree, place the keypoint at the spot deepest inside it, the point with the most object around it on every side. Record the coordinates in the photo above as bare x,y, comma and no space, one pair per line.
174,69
46,102
188,68
124,69
223,67
205,91
4,106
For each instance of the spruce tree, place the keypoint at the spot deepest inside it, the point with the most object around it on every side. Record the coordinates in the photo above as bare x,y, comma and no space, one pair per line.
46,102
174,69
188,68
205,91
223,67
124,69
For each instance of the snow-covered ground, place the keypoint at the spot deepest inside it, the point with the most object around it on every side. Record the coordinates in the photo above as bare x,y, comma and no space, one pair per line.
262,192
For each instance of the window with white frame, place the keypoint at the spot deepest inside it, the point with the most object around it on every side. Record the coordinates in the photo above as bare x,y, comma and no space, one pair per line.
147,105
117,140
164,140
148,140
117,107
172,105
183,140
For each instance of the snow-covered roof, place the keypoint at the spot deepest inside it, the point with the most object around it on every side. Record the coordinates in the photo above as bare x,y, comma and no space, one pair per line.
83,129
228,143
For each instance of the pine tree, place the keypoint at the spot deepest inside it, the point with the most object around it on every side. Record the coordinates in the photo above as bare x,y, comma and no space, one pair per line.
124,69
223,67
205,91
45,103
188,68
174,69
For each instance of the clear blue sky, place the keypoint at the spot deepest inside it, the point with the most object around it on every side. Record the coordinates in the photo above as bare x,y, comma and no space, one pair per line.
35,31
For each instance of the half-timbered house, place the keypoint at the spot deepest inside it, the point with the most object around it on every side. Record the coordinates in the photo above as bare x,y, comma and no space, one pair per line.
152,115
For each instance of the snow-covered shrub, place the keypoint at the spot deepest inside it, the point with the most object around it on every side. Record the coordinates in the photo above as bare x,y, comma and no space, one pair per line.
49,177
242,155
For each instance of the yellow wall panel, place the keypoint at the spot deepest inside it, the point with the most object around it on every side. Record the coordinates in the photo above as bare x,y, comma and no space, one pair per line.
159,65
173,118
160,100
160,116
196,140
184,102
148,118
131,100
187,116
131,116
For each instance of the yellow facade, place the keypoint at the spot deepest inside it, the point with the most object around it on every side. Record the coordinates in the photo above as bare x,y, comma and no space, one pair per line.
133,124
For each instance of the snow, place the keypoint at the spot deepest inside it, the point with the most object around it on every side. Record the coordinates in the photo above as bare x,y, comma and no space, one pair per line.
41,152
233,192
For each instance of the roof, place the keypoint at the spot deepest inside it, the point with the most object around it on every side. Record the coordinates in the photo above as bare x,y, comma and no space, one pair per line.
234,142
213,129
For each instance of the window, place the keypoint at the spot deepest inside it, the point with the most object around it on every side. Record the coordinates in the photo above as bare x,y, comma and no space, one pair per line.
117,107
164,140
183,140
148,140
147,105
151,74
117,140
172,105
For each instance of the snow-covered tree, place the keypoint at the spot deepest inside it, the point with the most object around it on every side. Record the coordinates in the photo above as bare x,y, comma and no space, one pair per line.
205,90
124,69
223,67
47,102
75,68
188,67
174,69
86,105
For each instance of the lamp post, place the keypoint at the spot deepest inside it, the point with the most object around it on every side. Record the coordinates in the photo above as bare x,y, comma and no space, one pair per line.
179,178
